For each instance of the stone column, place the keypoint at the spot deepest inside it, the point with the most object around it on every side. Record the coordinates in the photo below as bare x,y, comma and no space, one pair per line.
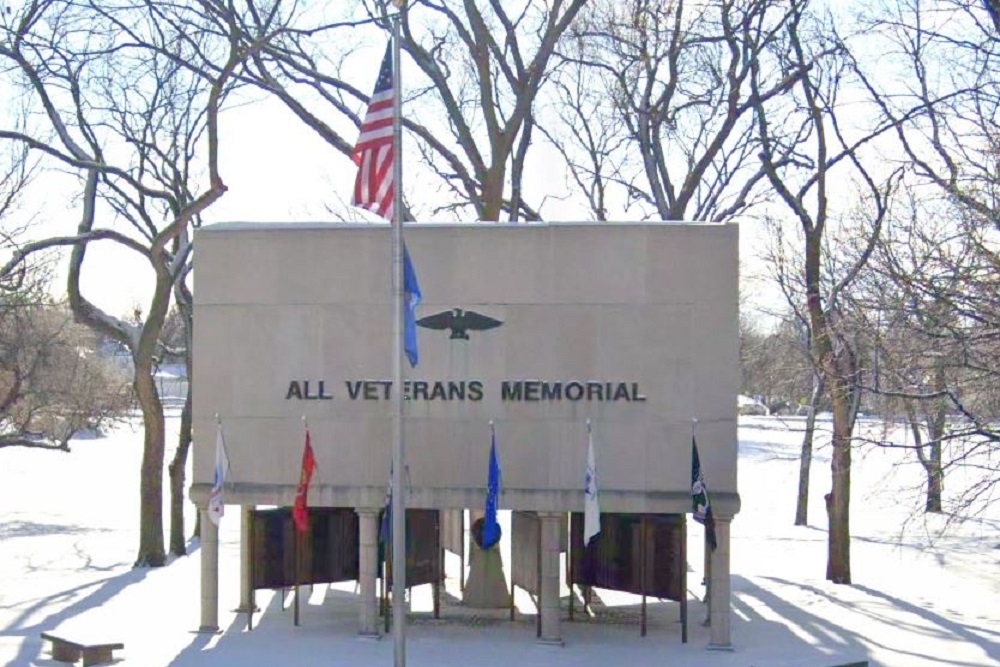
551,523
368,571
247,603
719,588
209,574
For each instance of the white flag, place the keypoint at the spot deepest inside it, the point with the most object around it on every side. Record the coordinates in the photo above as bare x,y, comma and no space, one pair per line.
591,508
216,507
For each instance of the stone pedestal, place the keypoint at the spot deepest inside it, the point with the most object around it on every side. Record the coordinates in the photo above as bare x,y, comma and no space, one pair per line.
209,574
552,523
368,571
486,587
719,589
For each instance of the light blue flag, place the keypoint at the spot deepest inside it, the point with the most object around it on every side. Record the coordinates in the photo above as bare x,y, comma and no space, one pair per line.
412,296
491,529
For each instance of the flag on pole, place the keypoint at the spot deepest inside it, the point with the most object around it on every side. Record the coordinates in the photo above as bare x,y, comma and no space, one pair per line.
216,505
374,153
385,529
591,507
699,497
491,529
374,188
412,297
300,512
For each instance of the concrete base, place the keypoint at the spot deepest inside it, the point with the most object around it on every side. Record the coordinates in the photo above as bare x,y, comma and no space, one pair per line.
369,636
486,587
550,642
246,610
725,648
208,630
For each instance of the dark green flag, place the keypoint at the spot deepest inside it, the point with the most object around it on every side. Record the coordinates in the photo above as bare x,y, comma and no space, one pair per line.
699,497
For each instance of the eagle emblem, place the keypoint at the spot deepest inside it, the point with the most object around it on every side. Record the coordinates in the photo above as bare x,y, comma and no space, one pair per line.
459,321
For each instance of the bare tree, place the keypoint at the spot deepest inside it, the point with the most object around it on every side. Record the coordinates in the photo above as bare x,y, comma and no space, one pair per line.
776,365
470,109
143,84
945,107
53,381
785,261
938,350
810,130
659,105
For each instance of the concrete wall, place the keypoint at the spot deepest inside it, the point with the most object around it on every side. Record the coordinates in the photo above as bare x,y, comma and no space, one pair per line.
653,305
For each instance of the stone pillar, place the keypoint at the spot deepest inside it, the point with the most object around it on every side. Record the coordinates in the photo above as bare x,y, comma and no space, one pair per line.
247,603
368,571
719,588
551,524
209,574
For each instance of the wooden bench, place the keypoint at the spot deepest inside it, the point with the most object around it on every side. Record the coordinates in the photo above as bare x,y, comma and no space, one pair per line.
65,650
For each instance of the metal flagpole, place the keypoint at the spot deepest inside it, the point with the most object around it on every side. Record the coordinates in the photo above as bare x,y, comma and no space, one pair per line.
398,457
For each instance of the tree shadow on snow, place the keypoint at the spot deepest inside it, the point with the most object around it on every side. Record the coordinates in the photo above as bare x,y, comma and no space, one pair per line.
768,450
94,594
12,529
769,628
819,627
939,547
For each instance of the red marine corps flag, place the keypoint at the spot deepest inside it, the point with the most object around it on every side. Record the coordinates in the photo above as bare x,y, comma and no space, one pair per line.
374,154
300,512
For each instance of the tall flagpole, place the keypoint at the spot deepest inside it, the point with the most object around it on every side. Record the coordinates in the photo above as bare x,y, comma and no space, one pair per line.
398,457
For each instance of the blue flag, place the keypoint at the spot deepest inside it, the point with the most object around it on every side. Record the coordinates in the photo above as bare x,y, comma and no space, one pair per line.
412,297
491,529
385,529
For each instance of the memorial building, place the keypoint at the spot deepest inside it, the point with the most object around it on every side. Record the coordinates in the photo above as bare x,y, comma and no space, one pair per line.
541,338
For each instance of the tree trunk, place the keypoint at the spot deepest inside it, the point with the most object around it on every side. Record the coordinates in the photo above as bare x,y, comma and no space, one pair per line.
931,461
936,419
491,204
935,478
151,550
805,457
178,466
838,567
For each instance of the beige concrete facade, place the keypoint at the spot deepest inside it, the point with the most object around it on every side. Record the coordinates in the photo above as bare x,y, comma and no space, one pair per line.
649,308
632,326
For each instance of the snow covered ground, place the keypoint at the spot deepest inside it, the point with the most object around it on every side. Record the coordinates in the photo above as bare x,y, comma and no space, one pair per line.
920,598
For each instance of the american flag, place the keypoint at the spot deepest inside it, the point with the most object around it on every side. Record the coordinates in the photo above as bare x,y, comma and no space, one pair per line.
374,154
